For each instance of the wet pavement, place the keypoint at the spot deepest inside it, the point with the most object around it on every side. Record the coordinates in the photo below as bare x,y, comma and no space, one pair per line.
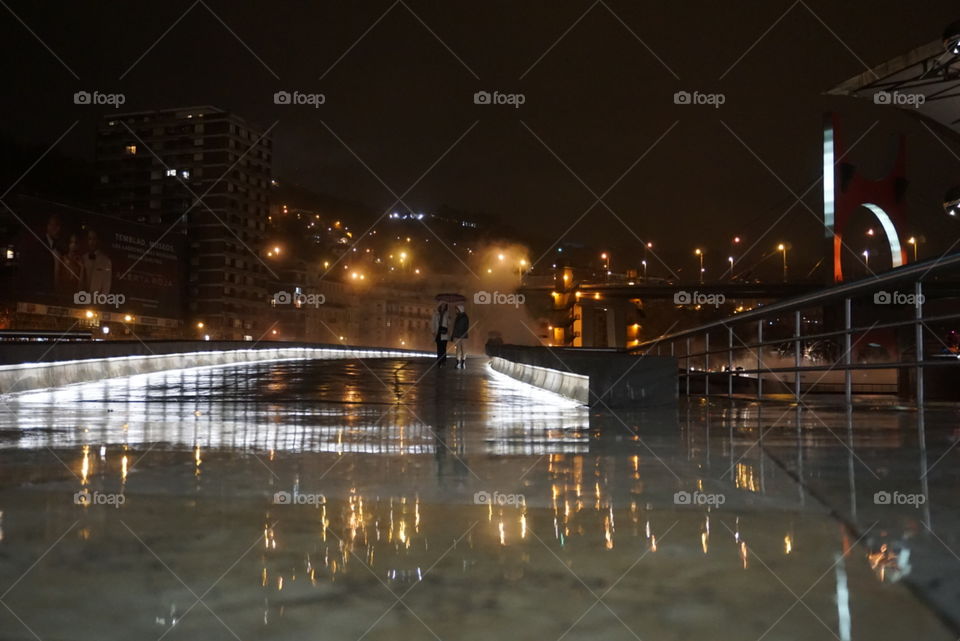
385,499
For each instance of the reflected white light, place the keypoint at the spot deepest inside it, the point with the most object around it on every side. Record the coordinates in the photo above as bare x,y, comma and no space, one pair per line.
523,418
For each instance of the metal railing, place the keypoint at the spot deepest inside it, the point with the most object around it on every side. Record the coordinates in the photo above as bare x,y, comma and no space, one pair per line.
793,346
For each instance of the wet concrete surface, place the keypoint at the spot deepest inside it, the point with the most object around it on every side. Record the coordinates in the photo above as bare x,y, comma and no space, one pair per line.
385,499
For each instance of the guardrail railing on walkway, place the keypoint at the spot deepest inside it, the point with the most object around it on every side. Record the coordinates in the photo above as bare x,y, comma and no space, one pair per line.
897,332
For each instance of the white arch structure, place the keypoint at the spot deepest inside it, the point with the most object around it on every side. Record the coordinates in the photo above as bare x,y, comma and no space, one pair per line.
896,251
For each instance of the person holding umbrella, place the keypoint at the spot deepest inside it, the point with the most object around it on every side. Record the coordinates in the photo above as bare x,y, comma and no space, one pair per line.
440,326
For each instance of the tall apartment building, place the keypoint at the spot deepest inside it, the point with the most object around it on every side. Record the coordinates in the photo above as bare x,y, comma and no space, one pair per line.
153,166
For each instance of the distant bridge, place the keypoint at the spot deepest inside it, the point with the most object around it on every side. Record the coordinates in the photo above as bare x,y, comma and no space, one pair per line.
650,290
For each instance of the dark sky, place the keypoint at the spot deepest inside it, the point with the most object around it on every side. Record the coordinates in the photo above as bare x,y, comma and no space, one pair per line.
399,98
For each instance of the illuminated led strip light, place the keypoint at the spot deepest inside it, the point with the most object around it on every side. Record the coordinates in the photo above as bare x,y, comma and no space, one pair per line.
538,392
239,357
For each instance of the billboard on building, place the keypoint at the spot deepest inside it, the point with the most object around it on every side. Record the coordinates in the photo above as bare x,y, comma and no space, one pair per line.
62,256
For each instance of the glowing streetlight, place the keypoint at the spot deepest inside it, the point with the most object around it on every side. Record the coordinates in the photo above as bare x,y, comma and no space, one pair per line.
699,253
782,248
643,264
913,241
200,325
866,259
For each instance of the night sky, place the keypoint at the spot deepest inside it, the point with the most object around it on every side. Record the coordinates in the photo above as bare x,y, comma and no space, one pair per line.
402,96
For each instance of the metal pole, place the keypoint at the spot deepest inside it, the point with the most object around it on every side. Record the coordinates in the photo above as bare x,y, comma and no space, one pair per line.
759,357
687,361
847,357
730,362
918,329
796,355
706,364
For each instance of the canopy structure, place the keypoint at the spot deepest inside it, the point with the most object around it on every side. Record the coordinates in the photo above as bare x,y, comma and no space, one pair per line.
926,80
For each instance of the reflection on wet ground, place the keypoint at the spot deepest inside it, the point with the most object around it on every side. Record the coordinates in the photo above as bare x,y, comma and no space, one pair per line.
386,500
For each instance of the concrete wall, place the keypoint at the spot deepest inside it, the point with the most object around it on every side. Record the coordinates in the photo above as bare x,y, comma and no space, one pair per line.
614,377
28,376
567,384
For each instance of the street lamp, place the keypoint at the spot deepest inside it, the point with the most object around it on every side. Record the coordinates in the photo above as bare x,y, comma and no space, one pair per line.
913,241
643,263
699,254
520,269
783,249
866,258
734,248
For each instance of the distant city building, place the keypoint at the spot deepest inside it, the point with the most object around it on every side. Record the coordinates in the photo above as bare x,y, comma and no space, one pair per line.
153,166
69,269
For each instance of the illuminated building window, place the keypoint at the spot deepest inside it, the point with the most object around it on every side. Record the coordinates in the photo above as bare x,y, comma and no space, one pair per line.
130,150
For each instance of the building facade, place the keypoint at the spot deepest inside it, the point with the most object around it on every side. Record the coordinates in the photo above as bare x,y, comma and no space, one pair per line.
204,173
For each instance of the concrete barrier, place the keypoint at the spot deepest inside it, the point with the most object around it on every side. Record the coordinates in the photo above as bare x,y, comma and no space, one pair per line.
30,376
595,377
567,384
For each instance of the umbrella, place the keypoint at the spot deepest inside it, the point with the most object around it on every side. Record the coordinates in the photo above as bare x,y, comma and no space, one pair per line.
450,298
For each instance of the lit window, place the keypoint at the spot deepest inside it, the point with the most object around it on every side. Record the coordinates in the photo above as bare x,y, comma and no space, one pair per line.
172,173
130,150
185,174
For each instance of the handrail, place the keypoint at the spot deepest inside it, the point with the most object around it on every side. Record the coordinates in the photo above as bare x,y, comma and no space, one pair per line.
701,355
843,290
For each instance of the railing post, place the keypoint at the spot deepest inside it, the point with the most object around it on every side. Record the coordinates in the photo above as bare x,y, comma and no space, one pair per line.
918,330
759,357
796,355
847,356
706,363
730,362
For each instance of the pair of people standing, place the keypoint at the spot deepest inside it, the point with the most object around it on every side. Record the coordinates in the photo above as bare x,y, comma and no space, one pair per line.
446,326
